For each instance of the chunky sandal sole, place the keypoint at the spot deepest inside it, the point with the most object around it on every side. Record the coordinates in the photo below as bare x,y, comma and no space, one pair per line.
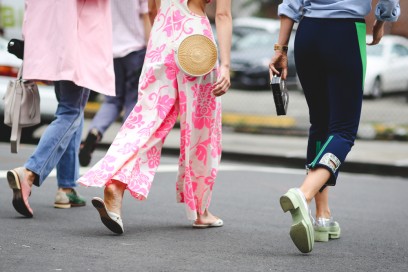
18,201
326,234
62,205
105,218
301,231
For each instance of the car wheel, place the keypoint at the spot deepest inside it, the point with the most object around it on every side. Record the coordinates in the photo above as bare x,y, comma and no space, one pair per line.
376,90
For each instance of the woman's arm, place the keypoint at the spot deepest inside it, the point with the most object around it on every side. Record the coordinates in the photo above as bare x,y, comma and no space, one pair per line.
290,11
154,6
223,23
279,62
145,18
147,25
386,10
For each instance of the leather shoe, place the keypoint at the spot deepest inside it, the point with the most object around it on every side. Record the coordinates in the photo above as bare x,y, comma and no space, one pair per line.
110,219
21,191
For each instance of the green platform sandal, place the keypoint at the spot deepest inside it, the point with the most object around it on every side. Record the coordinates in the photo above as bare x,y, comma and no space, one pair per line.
326,229
301,231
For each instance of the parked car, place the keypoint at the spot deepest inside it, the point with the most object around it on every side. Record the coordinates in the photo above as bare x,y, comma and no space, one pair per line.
250,57
246,25
235,35
9,65
387,66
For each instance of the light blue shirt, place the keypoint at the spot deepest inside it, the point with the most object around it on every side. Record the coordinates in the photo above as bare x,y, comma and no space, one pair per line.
386,10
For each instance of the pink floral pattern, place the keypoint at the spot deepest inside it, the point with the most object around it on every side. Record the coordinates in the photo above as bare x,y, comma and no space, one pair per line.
147,79
165,94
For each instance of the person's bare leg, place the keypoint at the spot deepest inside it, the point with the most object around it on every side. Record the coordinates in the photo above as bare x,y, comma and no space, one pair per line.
322,204
325,227
313,182
206,218
113,196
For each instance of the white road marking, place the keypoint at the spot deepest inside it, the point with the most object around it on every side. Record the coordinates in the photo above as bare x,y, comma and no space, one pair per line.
169,168
165,168
402,163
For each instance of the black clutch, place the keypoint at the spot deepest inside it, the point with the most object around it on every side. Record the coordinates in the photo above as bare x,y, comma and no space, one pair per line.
280,95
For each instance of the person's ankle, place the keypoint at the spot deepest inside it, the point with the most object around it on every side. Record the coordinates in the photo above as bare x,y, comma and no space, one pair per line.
31,176
323,214
96,133
65,190
206,217
113,195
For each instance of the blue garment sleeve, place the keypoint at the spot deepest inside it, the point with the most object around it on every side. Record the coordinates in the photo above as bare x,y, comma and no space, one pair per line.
292,9
388,10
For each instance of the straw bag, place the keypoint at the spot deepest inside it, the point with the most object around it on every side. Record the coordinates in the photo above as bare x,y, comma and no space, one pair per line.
21,107
196,55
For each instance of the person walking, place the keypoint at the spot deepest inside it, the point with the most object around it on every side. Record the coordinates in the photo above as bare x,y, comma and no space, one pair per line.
72,47
165,92
131,30
330,56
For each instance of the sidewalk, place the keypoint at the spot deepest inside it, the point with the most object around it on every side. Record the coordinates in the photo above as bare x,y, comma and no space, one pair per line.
372,157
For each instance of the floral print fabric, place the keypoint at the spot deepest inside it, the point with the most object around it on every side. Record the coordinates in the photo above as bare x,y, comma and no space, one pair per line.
166,93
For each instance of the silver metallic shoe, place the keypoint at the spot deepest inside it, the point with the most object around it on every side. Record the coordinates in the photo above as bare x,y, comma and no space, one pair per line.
326,229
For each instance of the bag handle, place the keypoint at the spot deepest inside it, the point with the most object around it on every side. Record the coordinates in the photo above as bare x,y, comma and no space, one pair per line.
16,129
20,72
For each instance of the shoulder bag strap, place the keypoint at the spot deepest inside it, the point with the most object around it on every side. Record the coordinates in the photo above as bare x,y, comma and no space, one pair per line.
16,129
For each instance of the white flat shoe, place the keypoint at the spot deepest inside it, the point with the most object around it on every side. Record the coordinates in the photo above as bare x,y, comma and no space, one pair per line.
217,223
110,219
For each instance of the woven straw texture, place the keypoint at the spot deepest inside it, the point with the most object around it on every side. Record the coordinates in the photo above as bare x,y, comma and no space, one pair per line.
197,55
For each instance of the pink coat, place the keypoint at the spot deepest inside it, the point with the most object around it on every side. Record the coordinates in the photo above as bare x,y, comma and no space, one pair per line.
69,40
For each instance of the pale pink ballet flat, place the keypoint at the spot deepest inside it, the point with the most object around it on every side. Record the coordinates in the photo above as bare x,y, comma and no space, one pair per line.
21,191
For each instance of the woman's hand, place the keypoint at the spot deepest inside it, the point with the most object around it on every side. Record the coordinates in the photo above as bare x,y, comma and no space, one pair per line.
223,83
378,32
279,64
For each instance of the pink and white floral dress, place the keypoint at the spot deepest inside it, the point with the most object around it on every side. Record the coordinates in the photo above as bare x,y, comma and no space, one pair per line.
165,93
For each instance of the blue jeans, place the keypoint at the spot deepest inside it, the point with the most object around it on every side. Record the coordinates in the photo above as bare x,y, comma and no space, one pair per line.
127,73
59,145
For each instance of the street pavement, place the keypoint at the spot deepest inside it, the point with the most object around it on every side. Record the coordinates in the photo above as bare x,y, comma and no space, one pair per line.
369,202
371,209
388,158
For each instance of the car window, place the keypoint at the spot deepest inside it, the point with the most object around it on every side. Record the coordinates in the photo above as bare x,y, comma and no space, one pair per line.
235,36
375,50
257,39
244,30
399,50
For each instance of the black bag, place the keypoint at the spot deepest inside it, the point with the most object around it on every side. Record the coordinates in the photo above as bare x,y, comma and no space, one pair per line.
16,47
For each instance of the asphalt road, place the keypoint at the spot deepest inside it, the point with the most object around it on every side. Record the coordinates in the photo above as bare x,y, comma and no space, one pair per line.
372,212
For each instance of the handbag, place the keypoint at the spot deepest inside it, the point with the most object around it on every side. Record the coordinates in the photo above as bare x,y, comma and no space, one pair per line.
196,55
280,95
21,107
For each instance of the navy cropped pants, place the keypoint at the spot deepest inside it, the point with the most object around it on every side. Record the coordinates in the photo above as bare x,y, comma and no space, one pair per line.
330,56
